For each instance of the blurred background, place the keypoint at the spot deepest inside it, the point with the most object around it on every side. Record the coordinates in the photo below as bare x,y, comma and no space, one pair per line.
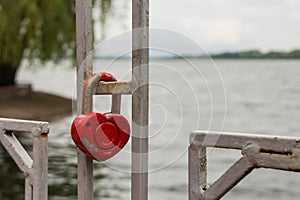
222,65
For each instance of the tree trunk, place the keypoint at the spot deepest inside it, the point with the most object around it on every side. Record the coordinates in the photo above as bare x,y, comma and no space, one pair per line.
7,74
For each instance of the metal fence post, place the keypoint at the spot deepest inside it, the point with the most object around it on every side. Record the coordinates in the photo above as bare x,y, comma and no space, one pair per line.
140,81
40,164
194,171
84,69
138,87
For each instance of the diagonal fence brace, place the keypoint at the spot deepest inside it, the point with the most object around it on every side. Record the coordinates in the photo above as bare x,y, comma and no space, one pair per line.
258,151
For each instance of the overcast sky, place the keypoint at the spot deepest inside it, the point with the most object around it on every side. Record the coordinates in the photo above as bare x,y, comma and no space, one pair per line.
221,25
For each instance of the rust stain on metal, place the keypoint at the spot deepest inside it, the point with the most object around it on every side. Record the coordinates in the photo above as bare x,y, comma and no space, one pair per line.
273,152
44,135
293,156
297,143
297,169
114,87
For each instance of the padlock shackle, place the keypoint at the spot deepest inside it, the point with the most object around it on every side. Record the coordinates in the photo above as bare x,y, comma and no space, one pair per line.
90,88
116,103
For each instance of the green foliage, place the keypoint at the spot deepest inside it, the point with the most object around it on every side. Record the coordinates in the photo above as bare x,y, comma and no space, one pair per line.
39,29
36,29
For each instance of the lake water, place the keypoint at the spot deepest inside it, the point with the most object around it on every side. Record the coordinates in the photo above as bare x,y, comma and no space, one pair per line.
252,96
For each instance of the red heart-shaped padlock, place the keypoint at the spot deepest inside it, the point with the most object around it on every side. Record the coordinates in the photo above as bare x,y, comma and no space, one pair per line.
100,136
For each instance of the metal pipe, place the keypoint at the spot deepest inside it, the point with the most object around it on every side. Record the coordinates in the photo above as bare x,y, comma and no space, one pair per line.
229,179
140,100
28,189
40,165
23,126
84,70
194,173
237,140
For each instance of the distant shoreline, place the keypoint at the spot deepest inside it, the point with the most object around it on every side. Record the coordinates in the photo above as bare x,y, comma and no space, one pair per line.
255,54
251,54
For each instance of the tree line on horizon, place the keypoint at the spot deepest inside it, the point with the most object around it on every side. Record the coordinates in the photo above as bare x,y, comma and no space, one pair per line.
256,54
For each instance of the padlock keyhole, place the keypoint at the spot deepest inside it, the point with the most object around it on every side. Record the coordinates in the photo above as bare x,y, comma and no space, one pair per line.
107,135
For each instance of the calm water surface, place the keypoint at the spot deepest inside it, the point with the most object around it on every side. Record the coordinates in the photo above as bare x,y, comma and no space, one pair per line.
254,96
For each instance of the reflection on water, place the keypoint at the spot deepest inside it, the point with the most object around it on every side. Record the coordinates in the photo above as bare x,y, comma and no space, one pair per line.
12,181
62,174
262,97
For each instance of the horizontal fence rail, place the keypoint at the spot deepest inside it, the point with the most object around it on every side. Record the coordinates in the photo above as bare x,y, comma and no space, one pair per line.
35,169
114,87
258,151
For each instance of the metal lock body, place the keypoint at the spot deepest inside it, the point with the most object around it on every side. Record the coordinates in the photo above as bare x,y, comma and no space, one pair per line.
100,136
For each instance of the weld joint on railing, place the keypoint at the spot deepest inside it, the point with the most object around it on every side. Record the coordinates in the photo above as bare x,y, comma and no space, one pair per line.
250,151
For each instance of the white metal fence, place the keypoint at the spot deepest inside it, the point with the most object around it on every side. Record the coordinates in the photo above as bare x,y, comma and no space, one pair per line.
35,169
258,151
